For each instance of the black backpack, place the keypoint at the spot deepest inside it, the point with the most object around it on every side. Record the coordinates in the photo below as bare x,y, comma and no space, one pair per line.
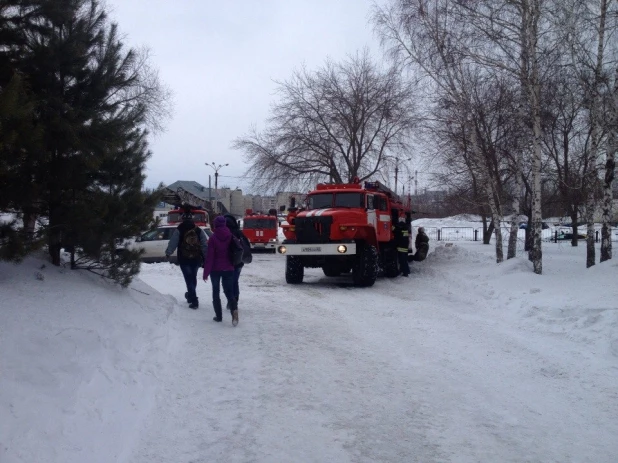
190,246
247,257
236,251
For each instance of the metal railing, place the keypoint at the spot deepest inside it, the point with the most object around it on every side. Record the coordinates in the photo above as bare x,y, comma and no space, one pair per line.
476,234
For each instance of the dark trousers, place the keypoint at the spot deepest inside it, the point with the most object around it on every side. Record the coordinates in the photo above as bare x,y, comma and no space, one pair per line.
403,262
189,271
236,288
225,279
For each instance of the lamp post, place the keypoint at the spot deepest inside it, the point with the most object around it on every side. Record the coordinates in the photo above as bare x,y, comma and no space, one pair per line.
216,168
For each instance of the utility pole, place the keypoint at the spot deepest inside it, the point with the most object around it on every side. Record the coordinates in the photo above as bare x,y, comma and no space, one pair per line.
397,170
210,191
216,168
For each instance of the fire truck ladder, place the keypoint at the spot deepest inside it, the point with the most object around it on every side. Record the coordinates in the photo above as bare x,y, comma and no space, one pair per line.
181,196
377,186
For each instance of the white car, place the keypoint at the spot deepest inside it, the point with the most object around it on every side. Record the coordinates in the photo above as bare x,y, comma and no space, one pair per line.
154,243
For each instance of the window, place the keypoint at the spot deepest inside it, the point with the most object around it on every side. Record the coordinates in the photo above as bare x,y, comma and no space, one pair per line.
369,201
268,224
199,217
380,203
349,200
320,201
165,233
173,217
150,236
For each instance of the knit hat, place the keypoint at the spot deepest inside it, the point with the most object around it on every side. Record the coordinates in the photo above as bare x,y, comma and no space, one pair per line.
219,221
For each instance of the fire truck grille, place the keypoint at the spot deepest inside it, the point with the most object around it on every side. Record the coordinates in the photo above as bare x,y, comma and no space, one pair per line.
313,229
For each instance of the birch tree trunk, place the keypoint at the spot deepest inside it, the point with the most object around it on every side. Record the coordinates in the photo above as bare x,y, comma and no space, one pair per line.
531,11
512,250
595,134
488,183
610,166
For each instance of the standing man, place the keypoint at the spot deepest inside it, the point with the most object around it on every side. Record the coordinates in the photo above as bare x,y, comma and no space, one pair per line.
402,241
192,245
421,244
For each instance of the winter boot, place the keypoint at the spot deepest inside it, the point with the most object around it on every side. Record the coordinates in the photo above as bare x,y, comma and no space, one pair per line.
187,297
234,309
218,311
195,304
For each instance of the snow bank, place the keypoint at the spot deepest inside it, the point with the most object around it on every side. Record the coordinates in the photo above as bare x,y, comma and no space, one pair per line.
76,347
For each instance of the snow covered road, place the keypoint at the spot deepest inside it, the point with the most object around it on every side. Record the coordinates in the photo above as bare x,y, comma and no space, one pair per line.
454,364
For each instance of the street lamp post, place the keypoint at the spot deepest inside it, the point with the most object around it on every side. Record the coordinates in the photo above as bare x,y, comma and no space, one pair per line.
216,168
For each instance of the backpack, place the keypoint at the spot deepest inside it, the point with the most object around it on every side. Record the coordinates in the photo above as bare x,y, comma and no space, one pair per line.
236,251
190,246
247,257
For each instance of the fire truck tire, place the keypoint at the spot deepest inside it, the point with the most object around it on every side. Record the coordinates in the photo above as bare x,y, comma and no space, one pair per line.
365,270
391,264
294,270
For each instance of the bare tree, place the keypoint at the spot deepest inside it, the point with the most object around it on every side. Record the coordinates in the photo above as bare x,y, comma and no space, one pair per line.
566,137
589,35
430,38
592,179
508,34
610,168
345,120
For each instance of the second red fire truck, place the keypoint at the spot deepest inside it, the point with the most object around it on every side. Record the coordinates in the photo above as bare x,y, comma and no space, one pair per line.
261,229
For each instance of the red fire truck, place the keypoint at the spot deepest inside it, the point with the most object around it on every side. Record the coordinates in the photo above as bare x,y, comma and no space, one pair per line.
200,217
261,229
343,228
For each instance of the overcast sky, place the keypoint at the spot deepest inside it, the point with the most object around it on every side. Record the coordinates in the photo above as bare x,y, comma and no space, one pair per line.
220,58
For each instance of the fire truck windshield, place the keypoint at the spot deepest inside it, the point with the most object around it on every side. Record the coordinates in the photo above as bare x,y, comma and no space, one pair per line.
347,199
260,223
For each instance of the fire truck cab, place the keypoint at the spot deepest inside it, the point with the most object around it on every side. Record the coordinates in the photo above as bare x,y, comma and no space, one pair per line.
344,228
200,217
261,229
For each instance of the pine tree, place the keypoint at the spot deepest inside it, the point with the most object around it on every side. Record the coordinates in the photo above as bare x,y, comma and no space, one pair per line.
93,100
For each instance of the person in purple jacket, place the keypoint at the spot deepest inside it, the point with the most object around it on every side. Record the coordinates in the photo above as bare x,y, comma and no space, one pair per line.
218,265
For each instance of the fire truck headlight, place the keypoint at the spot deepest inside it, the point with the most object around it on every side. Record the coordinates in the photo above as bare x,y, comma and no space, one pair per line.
342,248
282,249
272,240
343,228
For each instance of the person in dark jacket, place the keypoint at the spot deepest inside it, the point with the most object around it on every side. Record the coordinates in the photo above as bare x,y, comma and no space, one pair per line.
232,224
218,266
402,241
421,244
189,260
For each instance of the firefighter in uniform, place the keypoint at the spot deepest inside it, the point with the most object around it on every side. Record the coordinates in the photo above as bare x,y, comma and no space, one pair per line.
402,241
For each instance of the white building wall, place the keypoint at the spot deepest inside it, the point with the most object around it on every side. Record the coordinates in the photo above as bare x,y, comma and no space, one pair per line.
237,203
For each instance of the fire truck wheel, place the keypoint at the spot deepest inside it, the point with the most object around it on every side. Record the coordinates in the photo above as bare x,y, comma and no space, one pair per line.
391,264
294,270
365,270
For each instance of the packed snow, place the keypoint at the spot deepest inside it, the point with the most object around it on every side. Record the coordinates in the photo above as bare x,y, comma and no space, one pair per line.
464,361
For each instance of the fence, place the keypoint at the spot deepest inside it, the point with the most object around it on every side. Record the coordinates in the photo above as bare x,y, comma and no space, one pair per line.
476,234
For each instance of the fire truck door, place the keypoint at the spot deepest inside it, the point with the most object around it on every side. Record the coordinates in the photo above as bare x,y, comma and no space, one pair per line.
383,229
371,212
